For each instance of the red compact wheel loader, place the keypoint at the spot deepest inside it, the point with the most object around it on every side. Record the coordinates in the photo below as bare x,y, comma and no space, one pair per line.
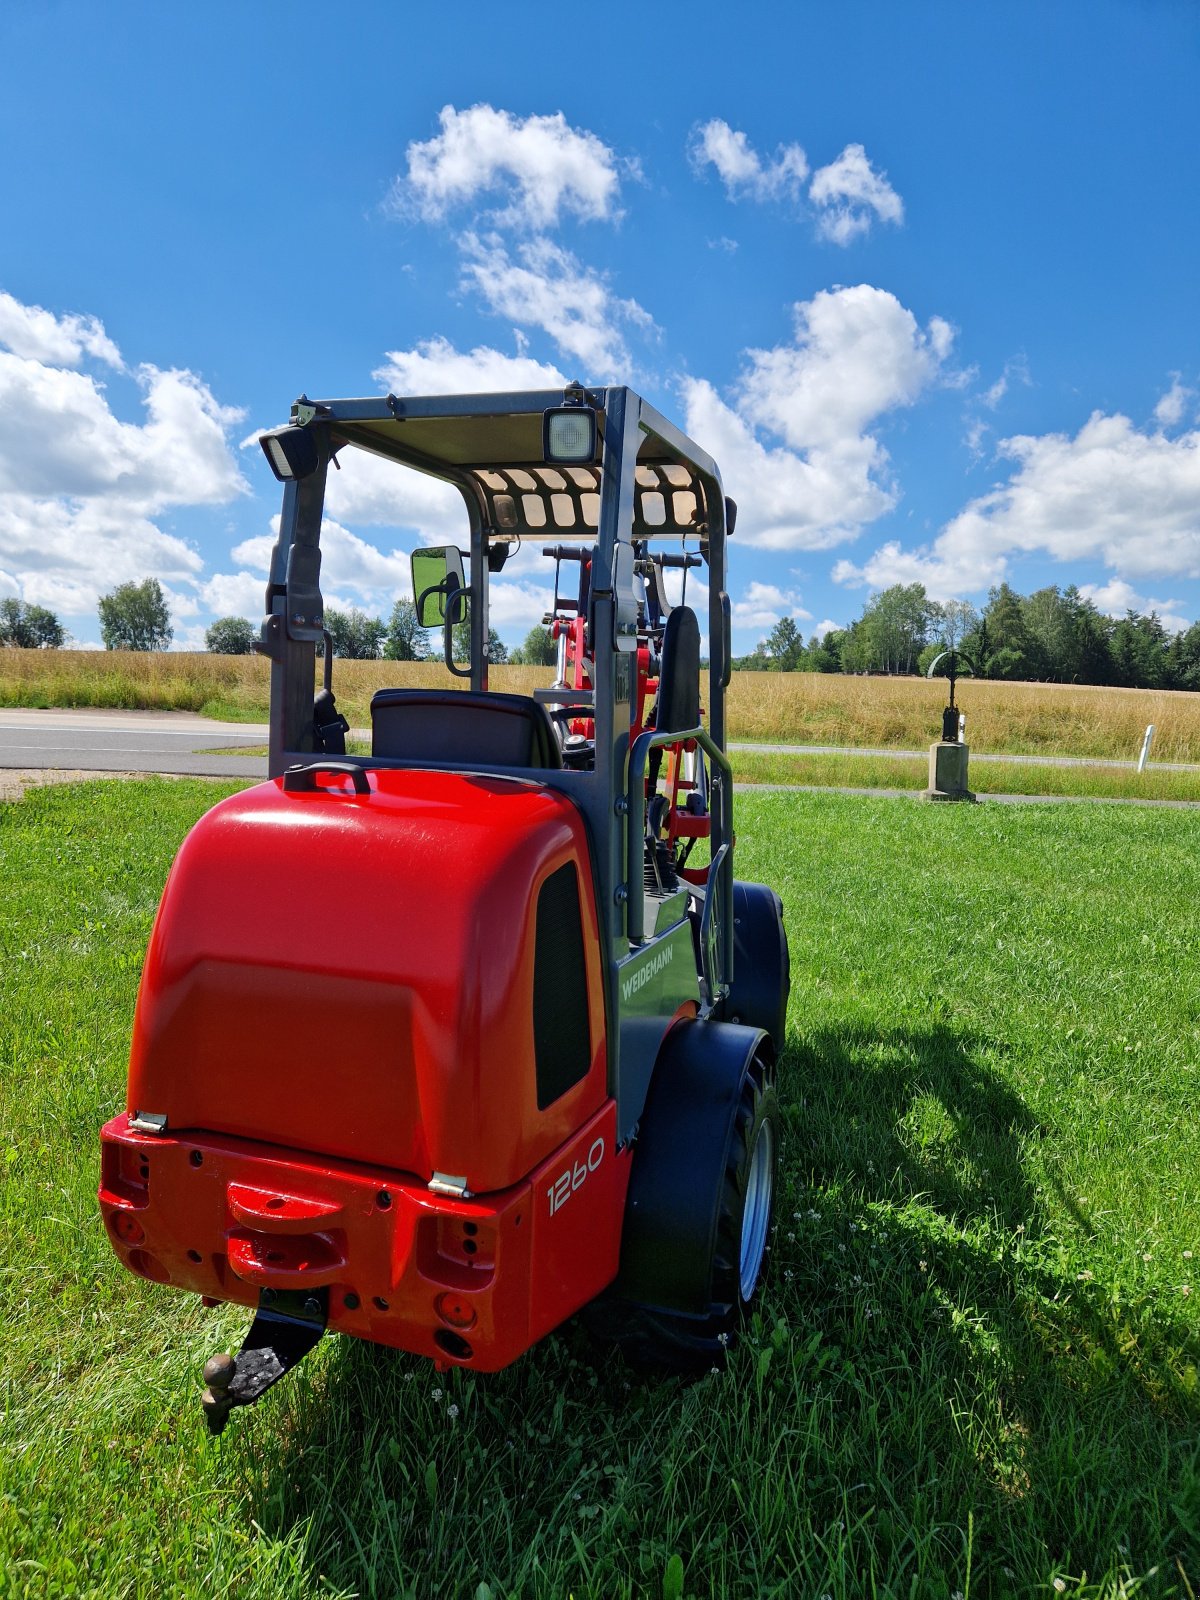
441,1045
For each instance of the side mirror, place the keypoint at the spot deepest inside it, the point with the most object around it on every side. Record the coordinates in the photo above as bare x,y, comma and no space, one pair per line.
438,586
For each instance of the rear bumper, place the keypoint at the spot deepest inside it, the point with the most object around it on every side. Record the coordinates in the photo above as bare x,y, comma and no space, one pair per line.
474,1282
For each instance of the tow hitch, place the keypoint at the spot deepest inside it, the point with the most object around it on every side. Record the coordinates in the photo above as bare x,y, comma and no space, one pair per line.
287,1325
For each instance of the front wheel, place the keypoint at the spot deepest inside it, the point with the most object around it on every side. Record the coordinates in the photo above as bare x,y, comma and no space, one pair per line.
660,1340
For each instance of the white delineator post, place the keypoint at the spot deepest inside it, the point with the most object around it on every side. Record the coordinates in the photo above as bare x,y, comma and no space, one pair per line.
1146,742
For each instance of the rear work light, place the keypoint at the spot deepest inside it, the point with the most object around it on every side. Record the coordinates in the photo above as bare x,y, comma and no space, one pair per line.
291,453
569,435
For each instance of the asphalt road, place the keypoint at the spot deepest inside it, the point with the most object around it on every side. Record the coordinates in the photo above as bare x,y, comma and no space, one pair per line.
128,741
174,742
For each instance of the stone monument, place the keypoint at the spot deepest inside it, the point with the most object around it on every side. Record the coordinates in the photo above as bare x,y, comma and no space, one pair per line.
948,757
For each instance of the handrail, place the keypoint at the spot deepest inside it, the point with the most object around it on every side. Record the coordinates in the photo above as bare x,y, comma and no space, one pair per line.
721,790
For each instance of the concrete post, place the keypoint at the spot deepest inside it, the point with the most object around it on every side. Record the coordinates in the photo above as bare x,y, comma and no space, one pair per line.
948,771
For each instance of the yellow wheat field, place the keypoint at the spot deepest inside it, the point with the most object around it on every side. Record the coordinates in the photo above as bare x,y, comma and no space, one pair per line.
785,708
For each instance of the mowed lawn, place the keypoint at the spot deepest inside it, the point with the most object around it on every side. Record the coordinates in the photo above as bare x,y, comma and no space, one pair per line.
975,1367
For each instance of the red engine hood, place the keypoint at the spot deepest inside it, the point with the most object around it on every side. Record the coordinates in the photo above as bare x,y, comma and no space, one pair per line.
354,975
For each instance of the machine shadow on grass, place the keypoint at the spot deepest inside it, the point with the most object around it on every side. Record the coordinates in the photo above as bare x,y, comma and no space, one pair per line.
978,1365
1075,1408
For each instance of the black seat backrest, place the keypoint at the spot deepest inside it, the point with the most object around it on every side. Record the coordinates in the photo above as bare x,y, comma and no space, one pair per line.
678,704
462,728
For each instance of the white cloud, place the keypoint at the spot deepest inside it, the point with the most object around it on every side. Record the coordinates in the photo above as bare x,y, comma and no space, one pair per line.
436,367
827,626
857,355
540,164
850,195
81,488
1170,409
1112,494
1116,597
515,605
58,436
763,604
741,169
371,490
39,335
350,565
947,571
238,594
549,288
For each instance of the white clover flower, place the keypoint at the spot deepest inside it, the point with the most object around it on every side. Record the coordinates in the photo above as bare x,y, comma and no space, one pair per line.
452,1411
437,1394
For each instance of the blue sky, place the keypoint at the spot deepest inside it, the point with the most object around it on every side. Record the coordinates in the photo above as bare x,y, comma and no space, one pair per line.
923,278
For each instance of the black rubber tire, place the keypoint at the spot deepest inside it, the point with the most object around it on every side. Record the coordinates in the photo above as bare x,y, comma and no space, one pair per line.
665,1341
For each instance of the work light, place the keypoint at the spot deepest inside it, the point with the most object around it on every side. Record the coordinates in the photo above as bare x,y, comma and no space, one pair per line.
291,453
569,435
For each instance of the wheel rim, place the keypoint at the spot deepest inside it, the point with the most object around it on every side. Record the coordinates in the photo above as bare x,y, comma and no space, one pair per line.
756,1214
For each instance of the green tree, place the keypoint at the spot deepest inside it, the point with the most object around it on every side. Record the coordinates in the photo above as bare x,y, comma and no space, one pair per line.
1089,641
785,645
825,655
894,627
29,627
1183,659
1005,652
950,621
537,650
230,636
135,616
355,635
406,640
497,649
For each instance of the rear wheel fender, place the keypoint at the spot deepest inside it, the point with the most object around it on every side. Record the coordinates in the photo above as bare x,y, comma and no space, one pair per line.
673,1208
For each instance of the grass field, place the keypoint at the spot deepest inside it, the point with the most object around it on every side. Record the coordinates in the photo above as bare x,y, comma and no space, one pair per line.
789,707
975,1367
851,771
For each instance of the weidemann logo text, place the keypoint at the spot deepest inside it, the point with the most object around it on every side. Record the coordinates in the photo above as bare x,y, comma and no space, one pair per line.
656,963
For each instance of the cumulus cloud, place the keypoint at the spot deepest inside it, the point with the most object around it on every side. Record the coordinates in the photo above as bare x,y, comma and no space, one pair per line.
81,488
39,335
547,287
434,366
763,604
516,605
370,490
1168,413
847,197
238,594
850,195
856,355
1116,597
540,165
1112,493
745,174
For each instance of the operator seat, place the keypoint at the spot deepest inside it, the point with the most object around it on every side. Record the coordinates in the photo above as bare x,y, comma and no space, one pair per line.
462,728
677,706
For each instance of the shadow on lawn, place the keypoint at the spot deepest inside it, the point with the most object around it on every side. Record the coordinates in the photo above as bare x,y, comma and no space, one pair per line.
967,1363
1065,1411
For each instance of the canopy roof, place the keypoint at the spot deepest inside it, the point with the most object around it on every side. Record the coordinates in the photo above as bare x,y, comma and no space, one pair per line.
491,445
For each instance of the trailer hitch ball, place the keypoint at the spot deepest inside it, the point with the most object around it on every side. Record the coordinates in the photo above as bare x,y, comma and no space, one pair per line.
219,1371
216,1401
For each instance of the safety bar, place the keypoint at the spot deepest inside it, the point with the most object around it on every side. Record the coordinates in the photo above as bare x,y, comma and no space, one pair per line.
721,796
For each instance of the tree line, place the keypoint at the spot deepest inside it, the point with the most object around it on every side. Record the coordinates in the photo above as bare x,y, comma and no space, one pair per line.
1051,636
136,616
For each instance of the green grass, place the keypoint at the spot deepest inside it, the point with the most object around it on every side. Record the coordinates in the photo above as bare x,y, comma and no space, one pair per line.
850,771
975,1366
